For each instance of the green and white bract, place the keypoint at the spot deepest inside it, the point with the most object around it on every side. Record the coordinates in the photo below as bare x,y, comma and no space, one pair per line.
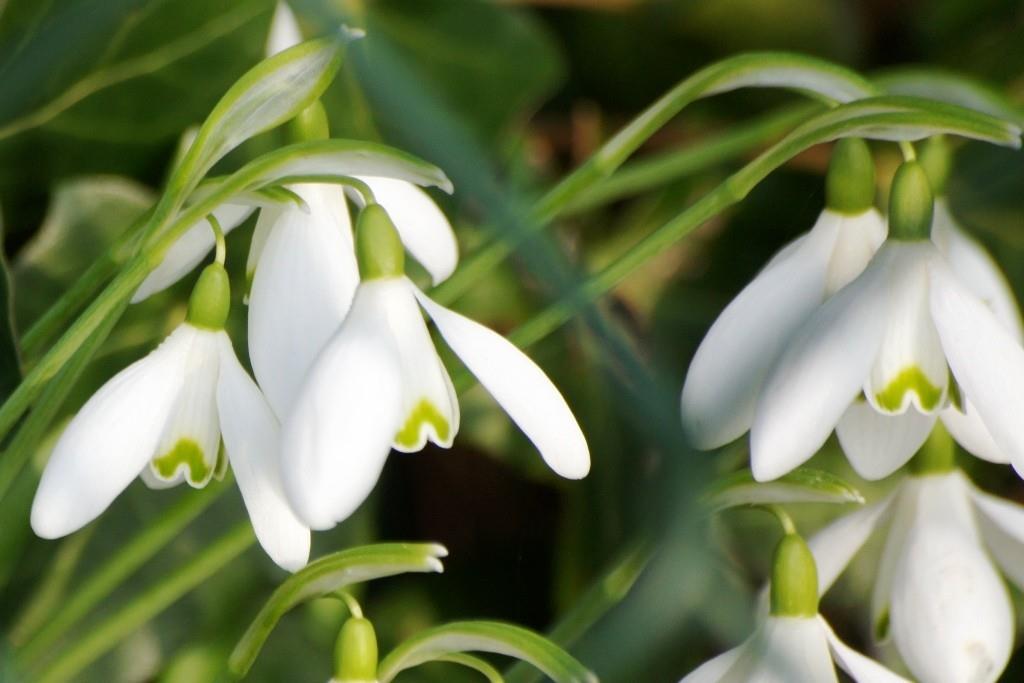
895,334
730,366
937,591
379,383
163,418
790,649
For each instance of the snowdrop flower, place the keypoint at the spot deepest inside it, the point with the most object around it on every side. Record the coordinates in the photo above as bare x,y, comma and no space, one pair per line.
794,644
937,592
727,372
379,383
163,418
894,335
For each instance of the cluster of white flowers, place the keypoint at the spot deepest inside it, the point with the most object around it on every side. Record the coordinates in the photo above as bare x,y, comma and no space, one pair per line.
344,364
879,329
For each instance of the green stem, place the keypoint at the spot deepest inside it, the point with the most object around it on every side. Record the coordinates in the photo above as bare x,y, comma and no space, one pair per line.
604,594
167,590
123,564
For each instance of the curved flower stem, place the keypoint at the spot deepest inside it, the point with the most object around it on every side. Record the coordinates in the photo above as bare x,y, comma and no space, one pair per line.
221,247
780,514
118,568
108,632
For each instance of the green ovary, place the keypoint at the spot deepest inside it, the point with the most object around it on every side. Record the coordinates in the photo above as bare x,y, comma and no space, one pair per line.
909,379
188,453
424,413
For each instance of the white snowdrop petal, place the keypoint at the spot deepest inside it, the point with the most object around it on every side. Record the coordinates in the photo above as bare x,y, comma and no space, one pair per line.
861,669
727,371
423,227
188,448
985,359
877,444
339,432
301,291
715,670
974,267
971,433
252,441
111,439
190,249
902,513
834,546
520,388
430,409
820,373
910,368
284,30
790,649
860,236
1002,527
952,620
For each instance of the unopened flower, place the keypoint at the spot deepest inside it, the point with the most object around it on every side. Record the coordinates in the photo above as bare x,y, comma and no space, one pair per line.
875,361
727,372
379,383
793,644
937,591
163,418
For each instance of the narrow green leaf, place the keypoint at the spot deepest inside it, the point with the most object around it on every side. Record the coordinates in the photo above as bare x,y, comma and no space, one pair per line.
952,88
10,359
471,662
485,636
270,93
802,485
327,575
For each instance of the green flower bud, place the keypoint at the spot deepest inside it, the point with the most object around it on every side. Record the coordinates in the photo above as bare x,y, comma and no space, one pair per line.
355,654
911,203
850,183
937,159
211,298
310,124
794,579
937,455
379,249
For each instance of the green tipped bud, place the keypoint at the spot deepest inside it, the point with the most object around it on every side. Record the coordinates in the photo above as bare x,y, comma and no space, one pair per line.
211,298
911,203
850,183
937,159
355,654
310,124
794,579
379,249
937,455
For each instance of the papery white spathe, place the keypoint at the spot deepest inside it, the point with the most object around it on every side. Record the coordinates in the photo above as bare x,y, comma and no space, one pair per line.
937,591
380,383
727,372
894,334
790,649
163,418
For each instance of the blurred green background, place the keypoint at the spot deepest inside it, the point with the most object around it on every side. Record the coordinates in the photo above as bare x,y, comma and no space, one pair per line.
506,97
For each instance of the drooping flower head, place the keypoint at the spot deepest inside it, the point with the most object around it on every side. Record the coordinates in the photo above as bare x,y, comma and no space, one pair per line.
379,383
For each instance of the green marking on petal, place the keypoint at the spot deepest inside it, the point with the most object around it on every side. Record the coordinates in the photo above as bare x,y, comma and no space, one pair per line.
188,453
909,379
221,468
425,412
882,625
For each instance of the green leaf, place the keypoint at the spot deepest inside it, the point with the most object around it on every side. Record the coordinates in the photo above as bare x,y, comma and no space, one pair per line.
10,359
952,88
327,575
802,485
484,636
270,93
471,662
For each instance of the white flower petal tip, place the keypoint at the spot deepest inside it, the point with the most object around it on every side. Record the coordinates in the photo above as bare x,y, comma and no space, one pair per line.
251,440
352,32
423,227
860,668
519,386
877,444
110,440
284,30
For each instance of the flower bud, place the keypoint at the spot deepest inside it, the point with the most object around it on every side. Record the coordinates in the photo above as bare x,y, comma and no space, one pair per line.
379,249
911,203
310,124
850,183
937,160
355,654
211,298
794,591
